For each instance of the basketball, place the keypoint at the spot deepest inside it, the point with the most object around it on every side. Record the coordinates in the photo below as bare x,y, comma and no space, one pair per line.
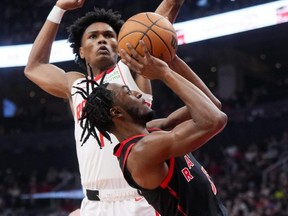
155,30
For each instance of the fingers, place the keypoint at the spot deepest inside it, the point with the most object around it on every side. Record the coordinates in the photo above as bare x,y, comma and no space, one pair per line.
134,60
147,54
130,61
133,52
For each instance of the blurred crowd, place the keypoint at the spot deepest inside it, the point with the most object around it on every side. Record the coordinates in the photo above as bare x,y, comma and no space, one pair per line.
21,20
242,173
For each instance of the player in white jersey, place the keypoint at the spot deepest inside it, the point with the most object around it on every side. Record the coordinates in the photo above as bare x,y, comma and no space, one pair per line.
104,166
94,42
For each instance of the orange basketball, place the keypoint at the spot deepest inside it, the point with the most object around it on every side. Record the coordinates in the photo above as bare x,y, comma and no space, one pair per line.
156,31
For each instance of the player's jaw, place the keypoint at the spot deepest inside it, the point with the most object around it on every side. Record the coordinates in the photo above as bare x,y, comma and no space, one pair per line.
141,116
104,57
139,111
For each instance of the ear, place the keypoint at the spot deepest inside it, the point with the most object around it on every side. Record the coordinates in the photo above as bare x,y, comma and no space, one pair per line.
81,52
116,112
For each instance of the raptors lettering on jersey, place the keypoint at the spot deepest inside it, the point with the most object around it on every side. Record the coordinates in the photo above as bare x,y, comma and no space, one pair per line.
188,176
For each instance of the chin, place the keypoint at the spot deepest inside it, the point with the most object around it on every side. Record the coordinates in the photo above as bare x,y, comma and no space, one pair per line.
106,59
143,117
147,116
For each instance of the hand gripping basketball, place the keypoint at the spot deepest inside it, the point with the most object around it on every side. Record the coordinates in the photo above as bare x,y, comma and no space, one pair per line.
156,31
148,66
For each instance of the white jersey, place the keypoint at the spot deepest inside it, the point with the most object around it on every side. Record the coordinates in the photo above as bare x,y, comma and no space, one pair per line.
99,168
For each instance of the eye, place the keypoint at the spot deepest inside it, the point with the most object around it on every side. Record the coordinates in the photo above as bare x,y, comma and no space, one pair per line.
109,35
129,92
92,36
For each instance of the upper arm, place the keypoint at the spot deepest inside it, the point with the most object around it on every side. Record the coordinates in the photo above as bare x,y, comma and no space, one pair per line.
50,78
143,83
180,67
147,159
159,146
186,137
169,9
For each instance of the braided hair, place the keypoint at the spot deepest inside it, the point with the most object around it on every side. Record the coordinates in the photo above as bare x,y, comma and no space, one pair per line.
95,113
76,30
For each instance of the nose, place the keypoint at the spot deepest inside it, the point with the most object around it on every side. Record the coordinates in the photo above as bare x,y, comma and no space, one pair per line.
101,39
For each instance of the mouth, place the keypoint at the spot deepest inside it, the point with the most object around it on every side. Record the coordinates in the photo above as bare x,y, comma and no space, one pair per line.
145,103
103,50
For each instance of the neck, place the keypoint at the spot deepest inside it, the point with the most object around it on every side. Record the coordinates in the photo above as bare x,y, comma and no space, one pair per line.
99,68
124,131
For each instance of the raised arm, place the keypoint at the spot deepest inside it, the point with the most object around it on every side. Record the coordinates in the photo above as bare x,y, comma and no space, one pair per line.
50,78
173,119
170,9
206,119
182,114
179,66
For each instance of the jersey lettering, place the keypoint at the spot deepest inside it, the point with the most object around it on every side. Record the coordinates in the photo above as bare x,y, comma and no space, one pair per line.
186,173
79,108
214,190
101,138
190,164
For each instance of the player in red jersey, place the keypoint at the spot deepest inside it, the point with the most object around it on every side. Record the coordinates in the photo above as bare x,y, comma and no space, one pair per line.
159,162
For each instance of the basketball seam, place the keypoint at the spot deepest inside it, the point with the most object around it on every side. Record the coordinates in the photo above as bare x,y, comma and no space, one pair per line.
144,33
150,28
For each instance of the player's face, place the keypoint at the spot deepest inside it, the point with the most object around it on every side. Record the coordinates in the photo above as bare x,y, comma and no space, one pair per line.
132,102
99,46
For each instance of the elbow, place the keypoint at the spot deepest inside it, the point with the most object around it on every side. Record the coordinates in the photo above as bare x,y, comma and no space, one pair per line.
28,70
219,121
32,65
215,122
28,73
218,104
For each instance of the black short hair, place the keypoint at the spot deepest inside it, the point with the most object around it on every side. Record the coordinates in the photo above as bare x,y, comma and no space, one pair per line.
76,30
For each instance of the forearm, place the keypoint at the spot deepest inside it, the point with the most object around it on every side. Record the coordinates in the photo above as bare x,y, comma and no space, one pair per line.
178,116
143,83
41,50
47,76
197,103
170,9
185,71
206,120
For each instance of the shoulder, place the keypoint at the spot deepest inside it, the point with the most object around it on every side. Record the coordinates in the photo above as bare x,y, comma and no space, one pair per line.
121,66
72,76
153,140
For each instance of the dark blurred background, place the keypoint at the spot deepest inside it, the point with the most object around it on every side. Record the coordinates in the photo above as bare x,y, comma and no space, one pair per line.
247,71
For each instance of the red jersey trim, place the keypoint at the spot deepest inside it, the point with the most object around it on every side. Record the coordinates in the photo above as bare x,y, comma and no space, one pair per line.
153,129
99,76
121,74
181,210
123,143
126,156
170,173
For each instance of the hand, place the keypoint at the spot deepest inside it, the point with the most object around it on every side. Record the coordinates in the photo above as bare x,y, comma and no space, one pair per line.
70,4
148,66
